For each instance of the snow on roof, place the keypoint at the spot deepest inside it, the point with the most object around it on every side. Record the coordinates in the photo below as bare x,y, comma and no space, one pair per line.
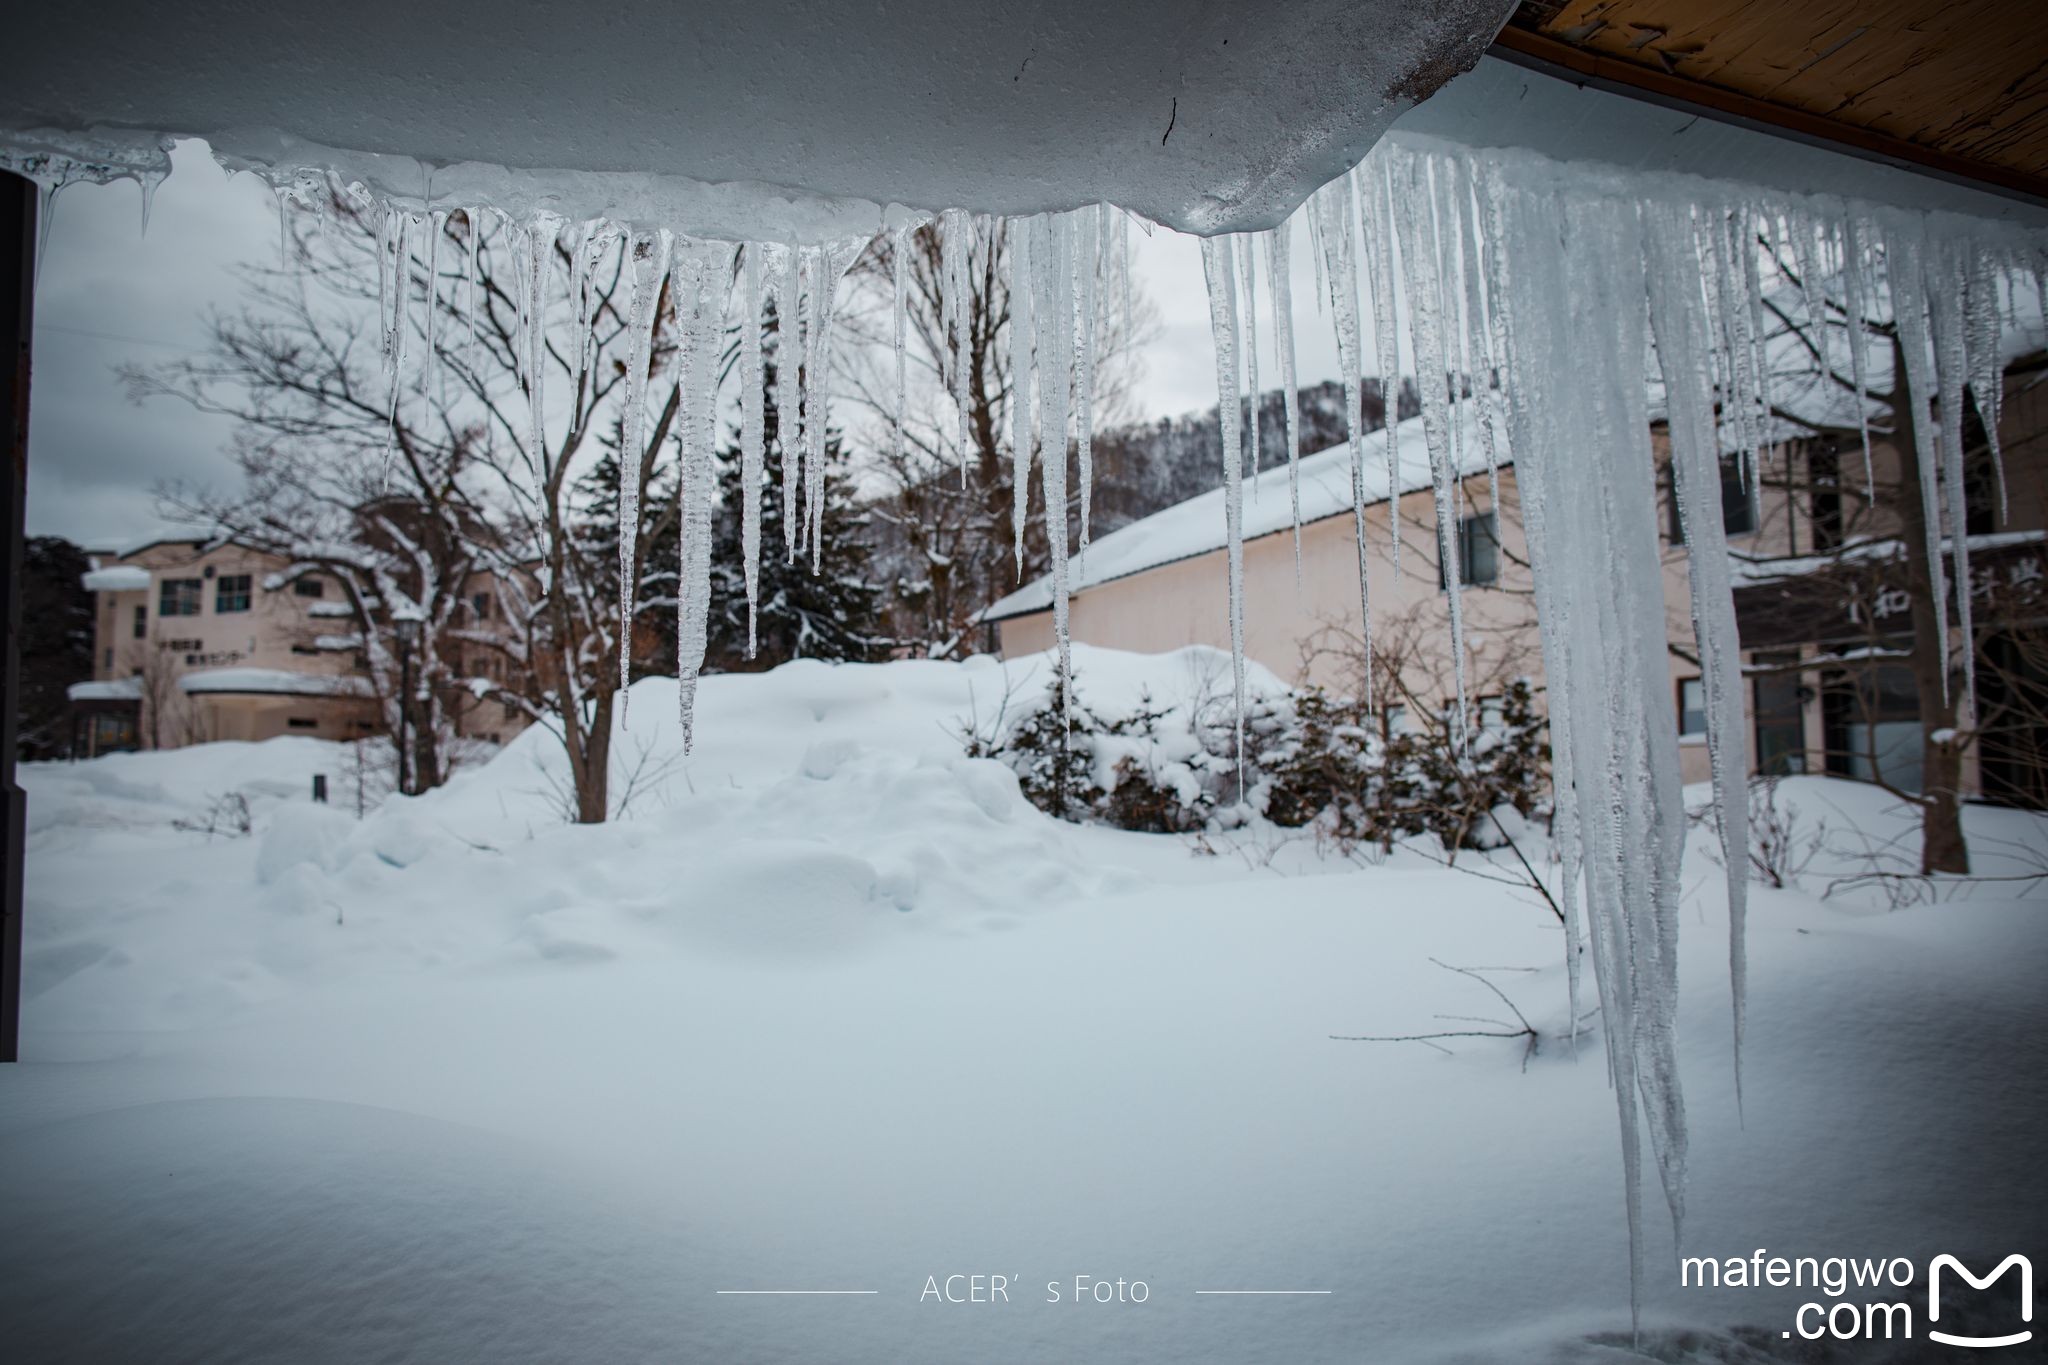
280,681
1195,527
117,578
106,689
798,119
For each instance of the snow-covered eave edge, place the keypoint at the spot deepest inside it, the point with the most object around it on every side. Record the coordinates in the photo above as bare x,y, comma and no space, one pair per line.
1036,597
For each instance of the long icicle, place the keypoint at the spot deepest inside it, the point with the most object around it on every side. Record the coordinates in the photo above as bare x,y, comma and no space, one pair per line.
1217,272
1279,280
753,442
1087,268
1022,343
1332,208
648,260
1246,257
789,353
699,295
1679,323
956,234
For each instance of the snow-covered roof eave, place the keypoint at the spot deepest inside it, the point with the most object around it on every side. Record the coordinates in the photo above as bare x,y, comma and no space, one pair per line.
106,689
117,578
749,119
271,682
1195,527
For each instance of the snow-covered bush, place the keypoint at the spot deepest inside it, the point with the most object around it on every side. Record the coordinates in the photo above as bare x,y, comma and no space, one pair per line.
1310,759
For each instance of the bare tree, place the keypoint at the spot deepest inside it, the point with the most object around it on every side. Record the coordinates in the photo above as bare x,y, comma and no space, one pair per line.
415,396
946,537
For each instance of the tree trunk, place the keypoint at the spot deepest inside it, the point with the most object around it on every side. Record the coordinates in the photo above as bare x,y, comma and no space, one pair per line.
593,782
1938,688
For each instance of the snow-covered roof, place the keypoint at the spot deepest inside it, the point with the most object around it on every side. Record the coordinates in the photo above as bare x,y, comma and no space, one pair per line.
278,681
117,578
106,689
1196,527
794,119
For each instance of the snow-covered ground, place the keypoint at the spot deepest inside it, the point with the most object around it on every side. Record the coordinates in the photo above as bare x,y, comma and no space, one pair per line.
832,1008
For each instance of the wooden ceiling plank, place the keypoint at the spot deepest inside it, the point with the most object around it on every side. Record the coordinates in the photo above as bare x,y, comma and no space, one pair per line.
1530,47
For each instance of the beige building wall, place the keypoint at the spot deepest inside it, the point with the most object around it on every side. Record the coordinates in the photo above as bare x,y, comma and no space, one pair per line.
1186,602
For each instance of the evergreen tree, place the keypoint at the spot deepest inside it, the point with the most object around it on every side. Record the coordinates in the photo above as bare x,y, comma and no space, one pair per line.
834,613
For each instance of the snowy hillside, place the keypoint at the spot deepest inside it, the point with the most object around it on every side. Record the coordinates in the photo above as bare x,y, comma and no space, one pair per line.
832,1008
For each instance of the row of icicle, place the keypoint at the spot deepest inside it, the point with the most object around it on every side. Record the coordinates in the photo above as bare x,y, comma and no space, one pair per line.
1543,299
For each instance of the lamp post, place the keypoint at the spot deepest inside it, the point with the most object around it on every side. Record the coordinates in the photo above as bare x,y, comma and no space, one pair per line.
408,631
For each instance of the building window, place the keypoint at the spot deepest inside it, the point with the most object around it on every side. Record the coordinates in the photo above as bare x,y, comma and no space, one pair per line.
310,586
1396,720
1780,711
179,597
110,656
1692,708
231,593
1872,719
141,621
301,723
1738,502
1478,552
1493,715
481,606
305,649
1824,473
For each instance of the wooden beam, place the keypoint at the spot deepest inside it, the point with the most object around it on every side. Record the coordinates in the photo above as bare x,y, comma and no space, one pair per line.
1538,52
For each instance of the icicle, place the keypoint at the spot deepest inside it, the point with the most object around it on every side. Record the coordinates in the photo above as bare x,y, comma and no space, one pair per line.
1419,263
752,454
1331,212
1123,270
595,244
1985,359
647,258
899,249
1052,254
1478,335
1387,337
1854,242
1250,316
1279,279
1087,266
437,222
540,249
789,352
1576,341
1021,346
1678,317
1316,256
699,299
1812,292
469,277
1945,277
396,332
148,181
1903,247
829,262
1216,271
956,230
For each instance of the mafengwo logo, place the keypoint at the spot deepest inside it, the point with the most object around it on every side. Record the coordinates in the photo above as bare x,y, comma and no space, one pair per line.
1945,1261
1851,1319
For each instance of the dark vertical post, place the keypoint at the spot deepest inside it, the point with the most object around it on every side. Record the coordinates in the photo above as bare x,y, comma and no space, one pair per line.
17,300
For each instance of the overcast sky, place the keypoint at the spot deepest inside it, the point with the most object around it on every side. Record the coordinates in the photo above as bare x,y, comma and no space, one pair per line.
109,295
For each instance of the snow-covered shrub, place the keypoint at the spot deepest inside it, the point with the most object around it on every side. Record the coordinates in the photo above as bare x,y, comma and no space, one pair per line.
1150,769
1310,758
